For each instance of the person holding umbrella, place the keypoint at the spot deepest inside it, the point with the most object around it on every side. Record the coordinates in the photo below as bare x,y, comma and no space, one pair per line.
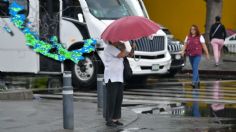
114,78
122,30
193,45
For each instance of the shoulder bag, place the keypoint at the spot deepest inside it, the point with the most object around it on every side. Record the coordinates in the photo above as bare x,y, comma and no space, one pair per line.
128,73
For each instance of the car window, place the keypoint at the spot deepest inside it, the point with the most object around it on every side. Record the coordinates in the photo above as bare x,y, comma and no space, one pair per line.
167,31
233,38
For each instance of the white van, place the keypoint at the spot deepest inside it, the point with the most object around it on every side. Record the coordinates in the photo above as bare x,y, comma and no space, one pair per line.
73,21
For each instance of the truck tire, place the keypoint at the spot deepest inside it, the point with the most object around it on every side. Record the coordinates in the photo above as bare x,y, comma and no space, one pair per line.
84,73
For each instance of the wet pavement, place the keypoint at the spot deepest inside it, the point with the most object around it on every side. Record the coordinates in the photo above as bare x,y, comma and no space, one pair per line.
226,67
212,108
167,105
46,116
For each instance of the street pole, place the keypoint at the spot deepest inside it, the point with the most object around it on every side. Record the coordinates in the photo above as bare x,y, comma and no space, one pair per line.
104,100
68,102
100,83
101,94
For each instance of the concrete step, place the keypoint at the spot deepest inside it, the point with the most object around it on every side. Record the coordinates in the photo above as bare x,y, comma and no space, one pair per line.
22,94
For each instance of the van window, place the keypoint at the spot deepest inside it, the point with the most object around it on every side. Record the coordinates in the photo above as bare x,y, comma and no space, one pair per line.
109,9
71,9
4,5
233,38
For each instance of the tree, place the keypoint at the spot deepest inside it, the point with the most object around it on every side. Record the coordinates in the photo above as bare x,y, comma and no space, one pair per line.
214,8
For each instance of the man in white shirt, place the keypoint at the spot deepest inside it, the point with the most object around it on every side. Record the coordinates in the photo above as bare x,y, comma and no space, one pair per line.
113,76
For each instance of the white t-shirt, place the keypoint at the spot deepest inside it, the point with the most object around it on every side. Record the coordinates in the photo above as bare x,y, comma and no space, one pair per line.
202,40
114,66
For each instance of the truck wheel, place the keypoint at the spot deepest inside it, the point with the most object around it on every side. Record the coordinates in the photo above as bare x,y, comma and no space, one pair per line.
84,73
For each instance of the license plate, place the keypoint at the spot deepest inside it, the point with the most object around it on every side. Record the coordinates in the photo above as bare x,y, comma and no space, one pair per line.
155,67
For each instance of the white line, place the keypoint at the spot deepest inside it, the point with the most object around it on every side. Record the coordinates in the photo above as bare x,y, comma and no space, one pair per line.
67,92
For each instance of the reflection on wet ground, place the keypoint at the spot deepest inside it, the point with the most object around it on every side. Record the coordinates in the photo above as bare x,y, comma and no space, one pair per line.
212,108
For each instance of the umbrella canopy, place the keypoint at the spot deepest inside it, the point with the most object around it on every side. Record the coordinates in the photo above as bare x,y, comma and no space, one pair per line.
129,28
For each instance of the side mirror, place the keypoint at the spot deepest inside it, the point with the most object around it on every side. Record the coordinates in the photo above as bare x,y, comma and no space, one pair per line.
81,17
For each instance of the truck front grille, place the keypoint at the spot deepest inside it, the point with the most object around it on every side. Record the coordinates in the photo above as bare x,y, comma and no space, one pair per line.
148,45
149,57
174,47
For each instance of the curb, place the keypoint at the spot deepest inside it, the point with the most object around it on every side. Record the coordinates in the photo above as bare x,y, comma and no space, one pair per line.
16,95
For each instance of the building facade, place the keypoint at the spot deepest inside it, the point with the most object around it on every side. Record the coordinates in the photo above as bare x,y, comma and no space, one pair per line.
179,15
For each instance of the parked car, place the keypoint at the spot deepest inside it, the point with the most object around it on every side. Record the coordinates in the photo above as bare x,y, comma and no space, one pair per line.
167,31
177,61
230,32
230,44
174,47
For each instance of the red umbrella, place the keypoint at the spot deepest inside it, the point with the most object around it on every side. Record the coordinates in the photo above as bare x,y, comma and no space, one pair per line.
129,28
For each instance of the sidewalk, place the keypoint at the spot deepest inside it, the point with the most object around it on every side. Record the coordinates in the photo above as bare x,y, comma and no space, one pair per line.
46,116
226,67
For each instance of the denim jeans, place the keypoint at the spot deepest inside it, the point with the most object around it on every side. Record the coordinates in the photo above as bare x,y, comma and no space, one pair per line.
195,60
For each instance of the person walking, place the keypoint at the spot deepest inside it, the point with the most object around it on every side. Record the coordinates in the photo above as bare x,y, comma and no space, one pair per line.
217,37
193,45
114,54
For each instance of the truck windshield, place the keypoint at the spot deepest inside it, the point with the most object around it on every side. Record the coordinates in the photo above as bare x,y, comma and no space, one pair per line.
109,9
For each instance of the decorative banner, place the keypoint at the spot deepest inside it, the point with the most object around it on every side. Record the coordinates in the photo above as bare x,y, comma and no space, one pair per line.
53,49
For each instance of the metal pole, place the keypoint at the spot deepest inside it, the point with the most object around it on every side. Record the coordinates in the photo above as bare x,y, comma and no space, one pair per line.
100,84
104,100
68,106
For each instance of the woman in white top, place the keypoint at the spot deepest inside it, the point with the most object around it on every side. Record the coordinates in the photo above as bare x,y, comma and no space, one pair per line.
114,54
193,46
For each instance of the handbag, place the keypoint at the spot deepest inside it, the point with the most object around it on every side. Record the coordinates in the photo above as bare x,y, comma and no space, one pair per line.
128,73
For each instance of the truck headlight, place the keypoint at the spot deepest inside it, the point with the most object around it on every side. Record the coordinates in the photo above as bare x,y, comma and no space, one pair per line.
178,57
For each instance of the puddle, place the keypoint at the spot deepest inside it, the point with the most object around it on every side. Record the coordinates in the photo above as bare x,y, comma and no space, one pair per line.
166,104
223,114
193,108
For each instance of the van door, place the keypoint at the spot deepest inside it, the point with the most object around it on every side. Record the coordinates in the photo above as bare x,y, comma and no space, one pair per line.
15,56
49,26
